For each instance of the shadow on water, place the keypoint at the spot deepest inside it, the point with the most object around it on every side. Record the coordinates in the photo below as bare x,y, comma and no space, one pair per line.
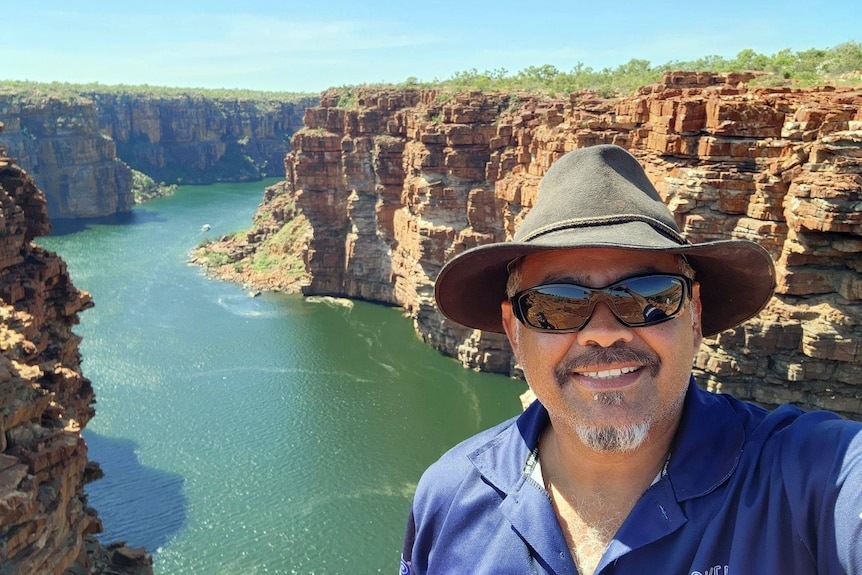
142,506
64,227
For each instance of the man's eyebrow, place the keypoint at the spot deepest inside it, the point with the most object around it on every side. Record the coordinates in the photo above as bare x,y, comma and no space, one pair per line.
579,279
566,278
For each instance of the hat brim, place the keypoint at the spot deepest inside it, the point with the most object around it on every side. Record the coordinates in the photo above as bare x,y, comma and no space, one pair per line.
737,277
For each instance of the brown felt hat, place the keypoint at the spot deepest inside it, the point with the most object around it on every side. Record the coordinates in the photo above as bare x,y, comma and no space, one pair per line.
600,197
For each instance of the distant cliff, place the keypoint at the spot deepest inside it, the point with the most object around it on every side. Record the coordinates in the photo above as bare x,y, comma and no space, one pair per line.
80,147
45,402
393,187
58,141
201,140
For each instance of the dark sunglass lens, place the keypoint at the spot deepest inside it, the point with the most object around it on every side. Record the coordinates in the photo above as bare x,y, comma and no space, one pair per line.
637,301
556,308
649,299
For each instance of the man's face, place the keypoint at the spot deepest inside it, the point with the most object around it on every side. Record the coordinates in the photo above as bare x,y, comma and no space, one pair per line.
613,385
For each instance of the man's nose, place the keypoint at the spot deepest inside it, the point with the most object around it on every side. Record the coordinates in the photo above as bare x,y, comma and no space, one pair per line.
603,328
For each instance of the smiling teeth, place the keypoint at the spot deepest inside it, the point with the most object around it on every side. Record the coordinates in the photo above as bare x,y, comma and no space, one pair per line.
609,373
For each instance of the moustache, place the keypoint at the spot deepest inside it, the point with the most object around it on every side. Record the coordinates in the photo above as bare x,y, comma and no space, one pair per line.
616,353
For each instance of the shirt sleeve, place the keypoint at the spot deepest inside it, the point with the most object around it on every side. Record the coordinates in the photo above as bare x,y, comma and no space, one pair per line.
822,467
848,508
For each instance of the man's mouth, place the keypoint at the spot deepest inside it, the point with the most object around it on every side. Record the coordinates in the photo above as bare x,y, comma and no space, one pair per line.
608,373
613,366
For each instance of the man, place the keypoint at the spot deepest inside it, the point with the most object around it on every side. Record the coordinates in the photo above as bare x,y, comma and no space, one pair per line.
623,465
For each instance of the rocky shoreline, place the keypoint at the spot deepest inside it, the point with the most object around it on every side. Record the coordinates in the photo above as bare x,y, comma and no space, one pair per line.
268,256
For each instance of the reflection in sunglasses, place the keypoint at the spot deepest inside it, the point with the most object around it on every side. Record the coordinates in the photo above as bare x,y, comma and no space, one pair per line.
637,301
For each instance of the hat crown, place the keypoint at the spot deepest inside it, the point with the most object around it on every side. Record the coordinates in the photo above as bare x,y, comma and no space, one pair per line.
596,186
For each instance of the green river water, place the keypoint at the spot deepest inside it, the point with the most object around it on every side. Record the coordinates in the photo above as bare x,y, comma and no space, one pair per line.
247,435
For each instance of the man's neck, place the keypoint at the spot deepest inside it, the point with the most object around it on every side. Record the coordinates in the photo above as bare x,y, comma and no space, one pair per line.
565,456
593,492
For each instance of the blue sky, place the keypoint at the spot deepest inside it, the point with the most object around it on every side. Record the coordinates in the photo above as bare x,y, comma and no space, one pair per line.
285,45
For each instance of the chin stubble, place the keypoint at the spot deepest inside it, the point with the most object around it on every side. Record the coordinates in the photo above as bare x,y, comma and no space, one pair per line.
617,439
609,438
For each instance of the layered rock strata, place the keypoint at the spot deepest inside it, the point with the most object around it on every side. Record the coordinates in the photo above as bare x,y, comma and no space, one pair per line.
80,148
201,140
46,526
75,165
405,180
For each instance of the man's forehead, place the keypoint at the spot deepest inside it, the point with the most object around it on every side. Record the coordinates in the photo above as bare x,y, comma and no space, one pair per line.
596,255
590,265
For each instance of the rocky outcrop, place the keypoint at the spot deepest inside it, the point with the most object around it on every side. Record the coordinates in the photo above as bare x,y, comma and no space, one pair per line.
79,147
268,256
401,182
46,526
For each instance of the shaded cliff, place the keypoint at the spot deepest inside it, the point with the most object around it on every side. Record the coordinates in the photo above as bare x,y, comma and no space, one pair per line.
45,402
200,140
396,185
79,147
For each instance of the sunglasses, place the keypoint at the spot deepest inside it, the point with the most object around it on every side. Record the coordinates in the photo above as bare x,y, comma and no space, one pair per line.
637,301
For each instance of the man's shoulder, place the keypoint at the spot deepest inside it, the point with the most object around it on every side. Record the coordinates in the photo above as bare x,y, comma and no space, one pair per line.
790,422
801,436
815,433
759,420
742,435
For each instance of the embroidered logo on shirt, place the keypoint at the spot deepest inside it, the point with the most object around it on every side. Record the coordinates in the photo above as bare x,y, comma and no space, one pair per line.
717,570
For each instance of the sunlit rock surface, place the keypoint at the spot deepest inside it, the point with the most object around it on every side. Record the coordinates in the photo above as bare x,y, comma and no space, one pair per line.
402,180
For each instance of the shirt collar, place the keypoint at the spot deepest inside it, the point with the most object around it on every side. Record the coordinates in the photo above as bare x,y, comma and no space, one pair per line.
502,460
706,449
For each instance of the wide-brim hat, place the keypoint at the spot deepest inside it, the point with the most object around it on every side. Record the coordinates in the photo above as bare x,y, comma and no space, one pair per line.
600,197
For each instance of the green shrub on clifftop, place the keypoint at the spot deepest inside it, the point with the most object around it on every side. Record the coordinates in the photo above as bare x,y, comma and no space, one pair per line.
66,90
839,65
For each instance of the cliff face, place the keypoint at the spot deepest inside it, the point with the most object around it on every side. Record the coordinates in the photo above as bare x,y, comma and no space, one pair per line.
59,142
200,140
45,401
80,148
405,180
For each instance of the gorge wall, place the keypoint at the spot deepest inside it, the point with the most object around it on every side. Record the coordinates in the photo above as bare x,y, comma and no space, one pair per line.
46,526
402,181
80,147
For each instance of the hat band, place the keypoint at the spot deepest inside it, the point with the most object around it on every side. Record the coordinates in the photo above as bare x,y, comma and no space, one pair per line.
660,227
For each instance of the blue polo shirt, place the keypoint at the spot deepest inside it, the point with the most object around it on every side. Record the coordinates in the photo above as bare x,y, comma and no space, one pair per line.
747,491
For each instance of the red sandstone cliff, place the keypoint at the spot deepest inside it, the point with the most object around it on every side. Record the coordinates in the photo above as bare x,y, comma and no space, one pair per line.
45,401
404,180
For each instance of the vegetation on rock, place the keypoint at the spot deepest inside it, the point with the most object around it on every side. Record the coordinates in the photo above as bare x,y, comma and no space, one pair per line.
269,254
145,188
840,65
68,91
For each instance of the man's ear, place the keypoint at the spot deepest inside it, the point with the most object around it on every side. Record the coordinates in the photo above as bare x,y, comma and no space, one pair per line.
696,310
509,324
